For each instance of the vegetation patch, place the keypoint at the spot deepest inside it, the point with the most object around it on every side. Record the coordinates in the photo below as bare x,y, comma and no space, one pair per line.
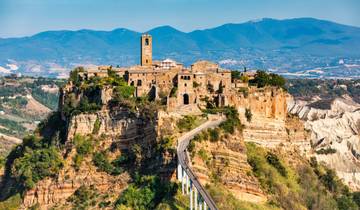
146,193
115,167
84,197
84,146
188,123
248,115
308,186
12,203
263,79
326,151
225,200
97,125
32,161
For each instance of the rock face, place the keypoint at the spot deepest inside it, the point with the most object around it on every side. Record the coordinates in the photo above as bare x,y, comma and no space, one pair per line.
336,130
270,124
116,128
225,161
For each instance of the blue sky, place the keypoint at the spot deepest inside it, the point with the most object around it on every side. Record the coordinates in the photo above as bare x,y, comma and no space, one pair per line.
27,17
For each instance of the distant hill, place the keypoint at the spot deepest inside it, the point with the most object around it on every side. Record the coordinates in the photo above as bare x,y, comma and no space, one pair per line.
293,45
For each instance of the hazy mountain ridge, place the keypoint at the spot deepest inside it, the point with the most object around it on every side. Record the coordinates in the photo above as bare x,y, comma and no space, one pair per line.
293,45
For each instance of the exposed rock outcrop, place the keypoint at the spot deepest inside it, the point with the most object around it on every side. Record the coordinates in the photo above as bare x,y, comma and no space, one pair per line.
225,161
335,135
117,128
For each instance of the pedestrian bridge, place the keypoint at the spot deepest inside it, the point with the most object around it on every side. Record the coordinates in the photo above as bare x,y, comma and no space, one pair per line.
199,198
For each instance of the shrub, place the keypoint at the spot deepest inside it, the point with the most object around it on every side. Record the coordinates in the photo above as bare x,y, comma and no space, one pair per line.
173,92
346,203
186,123
103,164
84,197
123,92
35,165
203,154
245,91
244,78
273,160
263,79
165,144
145,193
235,75
74,76
11,203
248,115
214,135
195,84
326,151
84,146
97,125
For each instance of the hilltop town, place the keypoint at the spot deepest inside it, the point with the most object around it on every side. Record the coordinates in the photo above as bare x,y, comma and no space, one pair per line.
193,86
161,135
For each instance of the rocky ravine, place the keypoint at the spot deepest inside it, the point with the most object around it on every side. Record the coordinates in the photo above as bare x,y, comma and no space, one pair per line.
336,130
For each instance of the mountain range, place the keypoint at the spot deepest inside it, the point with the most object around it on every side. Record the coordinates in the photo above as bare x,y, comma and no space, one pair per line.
293,47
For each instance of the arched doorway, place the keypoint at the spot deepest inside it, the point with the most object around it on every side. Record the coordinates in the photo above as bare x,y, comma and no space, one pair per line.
186,98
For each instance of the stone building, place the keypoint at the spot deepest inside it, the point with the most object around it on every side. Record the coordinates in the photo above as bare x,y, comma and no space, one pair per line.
167,78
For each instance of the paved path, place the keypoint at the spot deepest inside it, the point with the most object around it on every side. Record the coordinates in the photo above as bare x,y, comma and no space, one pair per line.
183,142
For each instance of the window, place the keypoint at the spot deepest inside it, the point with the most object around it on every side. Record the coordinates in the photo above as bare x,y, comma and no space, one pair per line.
146,42
185,84
139,83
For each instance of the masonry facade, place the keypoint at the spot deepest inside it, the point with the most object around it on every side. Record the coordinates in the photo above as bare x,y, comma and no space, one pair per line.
168,78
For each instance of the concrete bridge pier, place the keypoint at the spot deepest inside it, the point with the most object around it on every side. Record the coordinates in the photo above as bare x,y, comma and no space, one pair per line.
179,172
187,184
191,195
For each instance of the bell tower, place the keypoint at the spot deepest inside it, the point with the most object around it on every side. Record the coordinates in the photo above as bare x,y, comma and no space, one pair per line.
146,50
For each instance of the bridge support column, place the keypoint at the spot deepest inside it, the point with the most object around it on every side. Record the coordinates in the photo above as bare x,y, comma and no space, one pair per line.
200,204
183,182
187,184
179,172
196,198
191,195
205,206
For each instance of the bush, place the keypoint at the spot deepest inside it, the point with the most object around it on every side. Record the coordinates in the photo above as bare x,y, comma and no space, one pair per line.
12,203
195,84
97,125
173,92
273,160
326,151
103,164
84,197
346,203
203,154
214,135
74,76
248,115
84,146
35,165
186,123
235,75
123,92
145,193
263,79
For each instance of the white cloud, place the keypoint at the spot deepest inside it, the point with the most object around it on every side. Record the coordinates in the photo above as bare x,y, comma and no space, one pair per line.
4,70
13,67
